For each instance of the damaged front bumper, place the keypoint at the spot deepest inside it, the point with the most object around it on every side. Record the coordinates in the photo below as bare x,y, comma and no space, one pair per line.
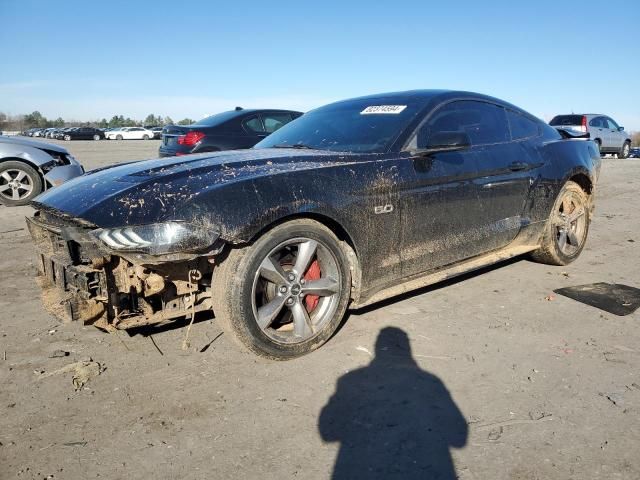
60,174
84,282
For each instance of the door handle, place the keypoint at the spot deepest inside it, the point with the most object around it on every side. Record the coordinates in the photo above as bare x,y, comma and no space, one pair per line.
518,166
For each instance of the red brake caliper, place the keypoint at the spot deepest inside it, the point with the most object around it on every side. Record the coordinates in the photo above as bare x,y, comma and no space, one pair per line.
313,273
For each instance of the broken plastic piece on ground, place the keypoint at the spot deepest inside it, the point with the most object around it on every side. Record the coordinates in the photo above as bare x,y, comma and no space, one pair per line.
613,298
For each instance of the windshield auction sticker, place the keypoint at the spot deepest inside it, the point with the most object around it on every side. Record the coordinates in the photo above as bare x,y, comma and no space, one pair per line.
377,109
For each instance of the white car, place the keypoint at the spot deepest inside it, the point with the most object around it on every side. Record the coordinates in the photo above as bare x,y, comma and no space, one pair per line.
130,133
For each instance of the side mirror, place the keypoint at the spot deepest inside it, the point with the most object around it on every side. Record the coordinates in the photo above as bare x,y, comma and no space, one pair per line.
445,142
621,129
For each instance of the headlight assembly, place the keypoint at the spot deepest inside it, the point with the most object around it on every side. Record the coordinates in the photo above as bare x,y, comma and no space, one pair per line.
157,238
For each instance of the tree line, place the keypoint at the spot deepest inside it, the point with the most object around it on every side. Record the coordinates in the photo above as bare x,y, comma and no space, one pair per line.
37,120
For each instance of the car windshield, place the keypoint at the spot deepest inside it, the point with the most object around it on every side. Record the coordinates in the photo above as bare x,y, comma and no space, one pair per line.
215,120
362,125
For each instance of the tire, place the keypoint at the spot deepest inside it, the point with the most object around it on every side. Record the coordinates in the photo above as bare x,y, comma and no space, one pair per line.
13,173
118,137
624,151
96,137
145,137
294,323
67,137
565,235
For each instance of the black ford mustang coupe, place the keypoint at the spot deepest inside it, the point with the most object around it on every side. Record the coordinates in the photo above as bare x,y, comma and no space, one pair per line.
345,206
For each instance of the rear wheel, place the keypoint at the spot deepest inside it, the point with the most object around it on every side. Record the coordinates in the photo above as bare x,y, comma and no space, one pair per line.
624,151
286,294
567,227
19,183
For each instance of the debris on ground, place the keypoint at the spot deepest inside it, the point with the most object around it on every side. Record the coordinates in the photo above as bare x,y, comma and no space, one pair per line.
364,349
59,354
550,298
613,298
75,444
83,371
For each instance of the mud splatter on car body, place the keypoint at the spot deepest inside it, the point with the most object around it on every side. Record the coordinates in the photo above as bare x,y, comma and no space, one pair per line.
404,212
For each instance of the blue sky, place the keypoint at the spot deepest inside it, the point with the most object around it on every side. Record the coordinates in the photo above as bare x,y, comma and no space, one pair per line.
87,60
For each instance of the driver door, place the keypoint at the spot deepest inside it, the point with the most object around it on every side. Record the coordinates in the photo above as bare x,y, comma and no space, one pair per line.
463,203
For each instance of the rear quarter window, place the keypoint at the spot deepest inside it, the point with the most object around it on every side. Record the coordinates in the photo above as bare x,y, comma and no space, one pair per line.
521,126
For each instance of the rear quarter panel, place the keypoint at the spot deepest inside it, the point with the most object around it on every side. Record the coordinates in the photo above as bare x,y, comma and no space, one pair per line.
563,159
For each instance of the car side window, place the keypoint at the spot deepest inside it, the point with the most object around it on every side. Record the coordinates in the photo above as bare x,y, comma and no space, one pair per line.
521,126
612,125
485,123
253,125
274,121
595,122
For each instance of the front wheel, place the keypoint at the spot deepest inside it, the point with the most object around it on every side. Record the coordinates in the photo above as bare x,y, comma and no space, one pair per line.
19,183
96,137
118,137
67,137
145,137
285,294
567,227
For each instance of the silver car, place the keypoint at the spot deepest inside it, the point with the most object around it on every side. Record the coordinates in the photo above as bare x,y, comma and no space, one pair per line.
602,129
28,167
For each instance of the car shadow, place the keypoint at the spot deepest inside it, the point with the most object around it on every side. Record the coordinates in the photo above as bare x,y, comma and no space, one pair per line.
181,322
393,419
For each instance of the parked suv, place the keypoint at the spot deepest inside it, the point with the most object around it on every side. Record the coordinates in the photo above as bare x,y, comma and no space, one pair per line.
230,130
603,130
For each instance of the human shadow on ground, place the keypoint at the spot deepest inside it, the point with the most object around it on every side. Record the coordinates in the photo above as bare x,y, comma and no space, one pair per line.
392,419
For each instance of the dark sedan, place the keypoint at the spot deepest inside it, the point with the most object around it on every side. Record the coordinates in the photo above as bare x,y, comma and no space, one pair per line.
348,205
82,133
231,130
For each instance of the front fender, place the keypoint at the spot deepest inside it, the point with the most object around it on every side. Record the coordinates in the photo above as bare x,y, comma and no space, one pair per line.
33,156
242,210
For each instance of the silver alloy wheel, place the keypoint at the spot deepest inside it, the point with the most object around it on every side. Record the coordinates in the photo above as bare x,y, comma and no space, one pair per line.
289,305
67,137
15,184
96,137
570,222
625,150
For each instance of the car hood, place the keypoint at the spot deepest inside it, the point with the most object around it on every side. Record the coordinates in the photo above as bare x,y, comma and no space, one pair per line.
160,189
32,143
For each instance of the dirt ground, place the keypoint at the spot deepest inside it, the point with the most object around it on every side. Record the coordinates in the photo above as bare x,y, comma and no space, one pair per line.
507,378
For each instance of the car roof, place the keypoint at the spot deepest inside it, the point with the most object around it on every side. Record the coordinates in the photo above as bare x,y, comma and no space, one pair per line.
433,97
582,114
